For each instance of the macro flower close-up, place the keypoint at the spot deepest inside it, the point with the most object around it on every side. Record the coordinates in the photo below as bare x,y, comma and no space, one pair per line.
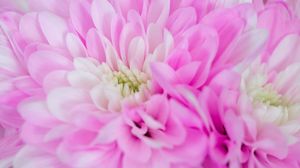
149,83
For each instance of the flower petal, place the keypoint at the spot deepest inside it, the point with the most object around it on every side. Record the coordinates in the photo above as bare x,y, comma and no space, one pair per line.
80,17
60,105
42,63
54,28
75,46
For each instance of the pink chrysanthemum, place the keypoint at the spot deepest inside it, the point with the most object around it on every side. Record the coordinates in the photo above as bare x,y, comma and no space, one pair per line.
93,99
253,115
101,81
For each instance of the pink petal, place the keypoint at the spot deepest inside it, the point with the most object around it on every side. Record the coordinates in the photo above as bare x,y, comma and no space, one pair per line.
186,116
272,142
226,79
32,134
54,28
133,148
129,31
136,53
127,6
60,105
54,79
94,45
82,79
42,63
27,85
245,47
158,108
10,117
9,63
227,24
181,19
131,163
112,57
235,130
36,107
269,19
173,134
154,36
178,58
110,132
75,46
164,75
103,17
186,152
30,28
30,157
202,43
158,12
55,6
186,73
285,52
80,17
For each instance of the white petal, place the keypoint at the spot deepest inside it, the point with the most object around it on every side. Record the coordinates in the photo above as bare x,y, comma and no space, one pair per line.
82,79
61,100
136,53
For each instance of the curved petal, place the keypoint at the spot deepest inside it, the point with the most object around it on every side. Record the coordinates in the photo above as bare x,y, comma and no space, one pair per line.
42,63
30,157
54,28
94,45
34,110
102,17
80,16
75,46
60,105
30,28
181,19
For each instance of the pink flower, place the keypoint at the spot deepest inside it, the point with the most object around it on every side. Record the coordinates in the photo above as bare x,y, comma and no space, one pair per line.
272,91
223,39
252,116
149,84
94,98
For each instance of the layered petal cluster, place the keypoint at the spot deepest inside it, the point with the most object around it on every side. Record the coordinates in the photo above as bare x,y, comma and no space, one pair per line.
93,96
253,114
149,84
11,80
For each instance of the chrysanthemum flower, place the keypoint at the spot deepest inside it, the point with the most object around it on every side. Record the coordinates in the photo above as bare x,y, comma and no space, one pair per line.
273,89
96,101
253,115
103,81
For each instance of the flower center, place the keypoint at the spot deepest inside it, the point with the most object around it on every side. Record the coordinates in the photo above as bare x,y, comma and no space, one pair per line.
269,96
109,87
269,105
127,81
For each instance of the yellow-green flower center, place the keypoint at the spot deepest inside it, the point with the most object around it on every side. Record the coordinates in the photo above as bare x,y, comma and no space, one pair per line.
129,81
270,97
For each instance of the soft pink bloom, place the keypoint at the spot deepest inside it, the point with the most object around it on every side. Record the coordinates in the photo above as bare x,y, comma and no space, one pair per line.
94,98
112,83
272,88
253,115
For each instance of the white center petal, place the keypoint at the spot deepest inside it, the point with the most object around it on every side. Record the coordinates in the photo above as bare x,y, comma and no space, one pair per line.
270,104
109,87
